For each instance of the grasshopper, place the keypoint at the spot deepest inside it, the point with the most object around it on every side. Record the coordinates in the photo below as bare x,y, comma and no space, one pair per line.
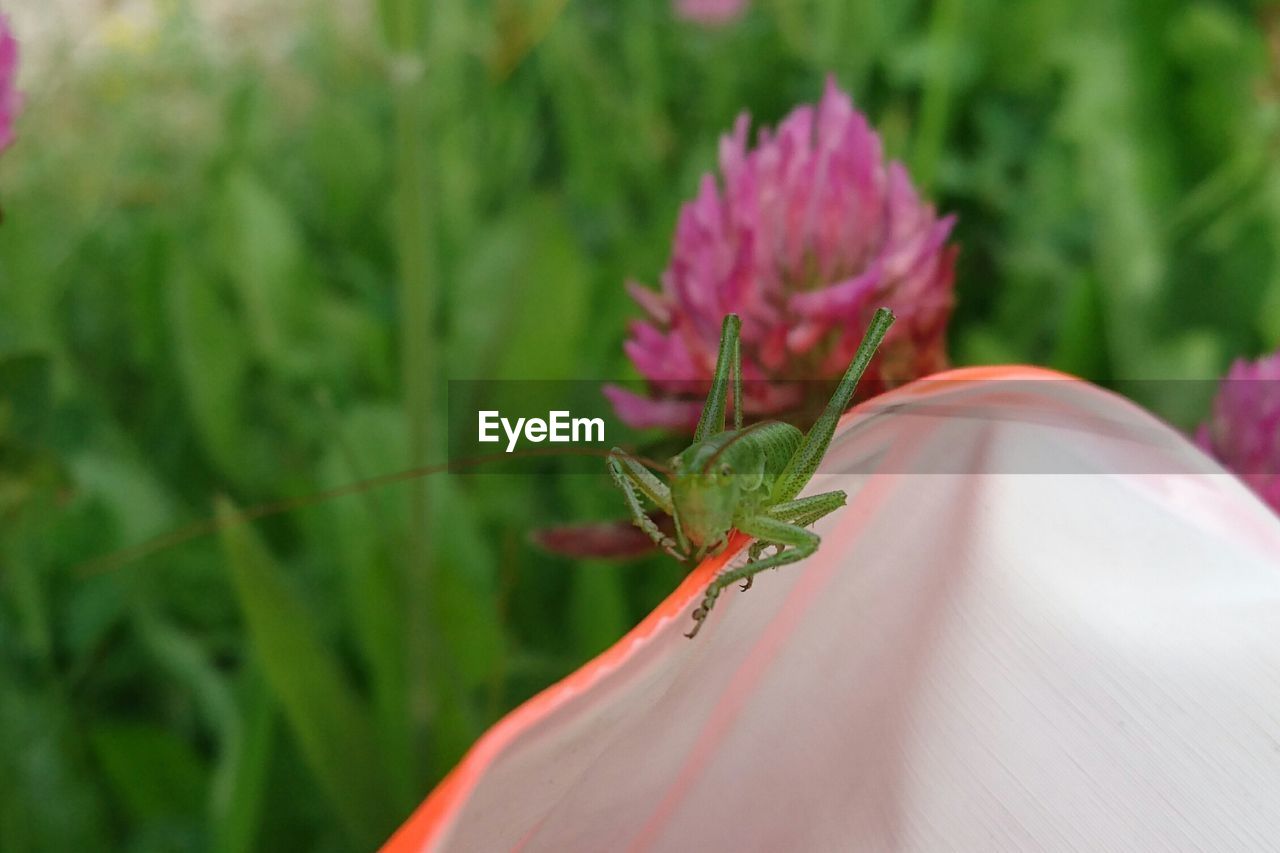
745,478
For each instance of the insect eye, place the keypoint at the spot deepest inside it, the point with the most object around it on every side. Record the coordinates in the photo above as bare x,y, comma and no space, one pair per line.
725,470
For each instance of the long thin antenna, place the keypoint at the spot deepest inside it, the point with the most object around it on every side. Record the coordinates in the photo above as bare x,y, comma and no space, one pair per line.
207,526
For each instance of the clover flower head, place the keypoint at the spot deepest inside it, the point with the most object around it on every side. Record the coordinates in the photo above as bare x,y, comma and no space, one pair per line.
710,13
10,98
1243,430
804,236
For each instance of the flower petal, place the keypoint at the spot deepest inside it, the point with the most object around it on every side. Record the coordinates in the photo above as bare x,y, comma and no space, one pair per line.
639,412
10,98
654,303
710,13
797,234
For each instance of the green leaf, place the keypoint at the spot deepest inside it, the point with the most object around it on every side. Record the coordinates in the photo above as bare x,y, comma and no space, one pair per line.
1081,349
597,607
46,803
597,600
326,716
238,814
139,501
348,158
27,466
153,773
507,324
211,360
466,594
261,252
1269,317
1123,163
244,724
25,395
371,440
547,323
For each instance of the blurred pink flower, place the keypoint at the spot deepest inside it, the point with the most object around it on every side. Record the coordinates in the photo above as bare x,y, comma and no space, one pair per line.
1243,432
710,13
811,232
10,99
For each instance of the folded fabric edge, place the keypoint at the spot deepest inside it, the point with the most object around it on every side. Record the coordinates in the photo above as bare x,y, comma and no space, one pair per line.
430,823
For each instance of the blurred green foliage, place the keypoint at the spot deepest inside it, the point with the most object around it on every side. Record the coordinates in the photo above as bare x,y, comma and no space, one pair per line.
201,303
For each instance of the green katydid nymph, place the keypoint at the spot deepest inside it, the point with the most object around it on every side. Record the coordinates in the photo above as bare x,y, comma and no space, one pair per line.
744,478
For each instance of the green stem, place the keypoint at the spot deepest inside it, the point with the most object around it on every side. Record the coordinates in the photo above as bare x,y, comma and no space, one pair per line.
935,107
1216,192
405,27
791,24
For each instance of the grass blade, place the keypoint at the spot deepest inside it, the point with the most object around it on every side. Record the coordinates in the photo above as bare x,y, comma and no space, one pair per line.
326,716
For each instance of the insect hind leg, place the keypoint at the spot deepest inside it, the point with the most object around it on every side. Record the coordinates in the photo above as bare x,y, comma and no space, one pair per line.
801,512
797,543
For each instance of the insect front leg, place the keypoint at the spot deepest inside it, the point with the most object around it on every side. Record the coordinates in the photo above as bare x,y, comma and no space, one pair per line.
797,543
801,512
629,476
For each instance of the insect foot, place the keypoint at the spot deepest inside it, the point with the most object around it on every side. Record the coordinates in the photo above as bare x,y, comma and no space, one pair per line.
700,614
757,549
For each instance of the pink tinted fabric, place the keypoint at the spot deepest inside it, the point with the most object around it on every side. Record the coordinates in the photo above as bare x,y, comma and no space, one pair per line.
804,235
1044,621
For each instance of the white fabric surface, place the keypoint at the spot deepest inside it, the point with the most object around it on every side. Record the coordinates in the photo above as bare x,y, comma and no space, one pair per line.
1067,640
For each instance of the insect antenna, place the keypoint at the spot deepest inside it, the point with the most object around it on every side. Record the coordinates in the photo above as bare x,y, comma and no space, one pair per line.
743,433
207,526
